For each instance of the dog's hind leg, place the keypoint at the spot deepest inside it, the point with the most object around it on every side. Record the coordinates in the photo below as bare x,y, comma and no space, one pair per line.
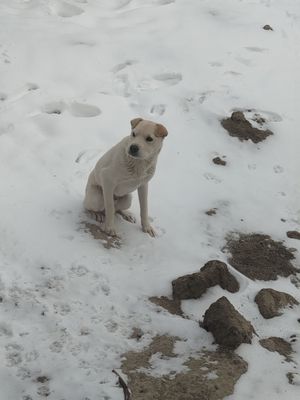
123,203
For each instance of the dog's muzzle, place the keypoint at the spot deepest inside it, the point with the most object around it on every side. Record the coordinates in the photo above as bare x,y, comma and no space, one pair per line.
133,150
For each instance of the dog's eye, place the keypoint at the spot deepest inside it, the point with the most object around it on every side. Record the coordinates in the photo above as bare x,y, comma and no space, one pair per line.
149,139
133,134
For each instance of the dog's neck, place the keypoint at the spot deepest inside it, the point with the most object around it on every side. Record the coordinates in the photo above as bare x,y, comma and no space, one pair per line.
138,167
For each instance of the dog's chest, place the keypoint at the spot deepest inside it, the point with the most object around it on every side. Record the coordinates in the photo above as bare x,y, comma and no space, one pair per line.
132,181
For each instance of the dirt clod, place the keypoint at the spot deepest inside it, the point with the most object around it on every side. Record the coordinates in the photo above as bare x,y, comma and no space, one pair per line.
219,161
228,326
136,334
238,126
42,379
277,344
171,305
293,235
270,302
268,28
210,376
194,285
212,211
260,257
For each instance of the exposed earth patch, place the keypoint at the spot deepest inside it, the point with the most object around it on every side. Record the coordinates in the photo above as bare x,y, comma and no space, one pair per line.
207,376
238,126
173,306
259,256
278,344
270,302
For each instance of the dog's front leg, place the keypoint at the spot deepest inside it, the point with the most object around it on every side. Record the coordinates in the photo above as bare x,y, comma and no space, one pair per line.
108,197
143,198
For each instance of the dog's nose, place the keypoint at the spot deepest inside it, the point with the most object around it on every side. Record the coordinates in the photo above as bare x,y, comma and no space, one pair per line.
133,149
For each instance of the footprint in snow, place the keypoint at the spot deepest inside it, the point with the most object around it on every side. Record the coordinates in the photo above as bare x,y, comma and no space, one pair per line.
256,49
3,96
278,169
14,354
168,78
158,109
56,107
65,10
81,110
211,177
84,110
119,67
86,156
20,93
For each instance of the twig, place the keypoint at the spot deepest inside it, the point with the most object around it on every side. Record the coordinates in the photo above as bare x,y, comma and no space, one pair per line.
123,384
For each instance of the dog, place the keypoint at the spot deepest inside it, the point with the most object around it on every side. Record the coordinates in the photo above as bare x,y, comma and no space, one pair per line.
127,166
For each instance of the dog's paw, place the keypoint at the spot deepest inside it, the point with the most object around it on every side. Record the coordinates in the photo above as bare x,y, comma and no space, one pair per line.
127,216
148,229
111,231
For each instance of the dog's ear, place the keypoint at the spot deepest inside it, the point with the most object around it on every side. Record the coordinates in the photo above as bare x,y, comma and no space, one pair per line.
135,121
160,131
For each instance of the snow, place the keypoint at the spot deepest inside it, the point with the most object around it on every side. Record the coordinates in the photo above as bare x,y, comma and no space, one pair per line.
73,74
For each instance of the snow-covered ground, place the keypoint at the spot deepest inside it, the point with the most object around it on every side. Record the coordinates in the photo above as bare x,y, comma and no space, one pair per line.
72,75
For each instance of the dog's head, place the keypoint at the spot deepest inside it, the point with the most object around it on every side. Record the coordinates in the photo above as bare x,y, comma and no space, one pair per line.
146,139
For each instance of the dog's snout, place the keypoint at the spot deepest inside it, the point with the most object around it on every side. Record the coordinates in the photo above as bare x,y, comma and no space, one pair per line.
133,149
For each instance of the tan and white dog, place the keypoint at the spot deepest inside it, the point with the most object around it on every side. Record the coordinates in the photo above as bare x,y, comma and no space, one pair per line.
127,166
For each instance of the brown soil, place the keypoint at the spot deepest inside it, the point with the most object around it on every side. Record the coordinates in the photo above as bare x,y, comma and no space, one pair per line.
195,384
195,285
260,257
228,326
98,234
219,161
268,28
238,126
171,305
270,302
277,344
212,211
136,334
293,235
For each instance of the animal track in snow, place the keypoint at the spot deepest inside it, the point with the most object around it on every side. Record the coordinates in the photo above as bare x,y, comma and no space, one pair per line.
5,329
56,107
14,354
211,177
84,110
119,67
256,49
158,109
6,128
65,10
86,156
278,169
169,78
3,96
81,110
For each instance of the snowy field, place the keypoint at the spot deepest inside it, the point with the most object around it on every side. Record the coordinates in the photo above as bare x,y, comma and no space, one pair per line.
72,75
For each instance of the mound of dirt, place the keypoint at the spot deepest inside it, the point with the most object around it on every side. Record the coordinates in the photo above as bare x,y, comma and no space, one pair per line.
293,235
228,326
210,376
238,126
270,302
194,285
171,305
212,211
219,161
260,257
277,344
267,28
